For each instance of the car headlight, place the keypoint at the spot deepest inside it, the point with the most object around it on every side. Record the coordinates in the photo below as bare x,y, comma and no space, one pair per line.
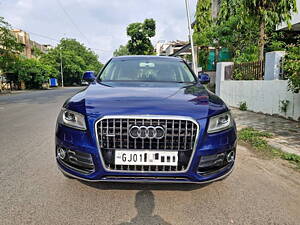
220,122
72,119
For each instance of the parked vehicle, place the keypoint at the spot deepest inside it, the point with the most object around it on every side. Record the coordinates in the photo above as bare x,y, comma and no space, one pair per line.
146,119
84,83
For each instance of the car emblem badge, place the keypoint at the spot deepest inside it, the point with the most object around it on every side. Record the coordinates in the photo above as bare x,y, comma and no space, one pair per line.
151,132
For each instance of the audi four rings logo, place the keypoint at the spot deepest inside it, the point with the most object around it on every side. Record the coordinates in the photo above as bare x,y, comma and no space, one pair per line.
150,132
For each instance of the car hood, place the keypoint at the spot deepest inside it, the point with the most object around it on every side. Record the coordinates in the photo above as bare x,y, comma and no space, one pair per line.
146,98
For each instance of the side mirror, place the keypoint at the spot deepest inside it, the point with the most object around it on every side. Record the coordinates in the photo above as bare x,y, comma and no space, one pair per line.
89,76
204,78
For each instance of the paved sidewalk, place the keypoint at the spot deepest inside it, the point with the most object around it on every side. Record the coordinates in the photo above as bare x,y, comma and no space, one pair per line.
286,133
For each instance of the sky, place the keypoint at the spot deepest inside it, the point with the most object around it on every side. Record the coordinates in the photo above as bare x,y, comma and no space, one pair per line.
98,24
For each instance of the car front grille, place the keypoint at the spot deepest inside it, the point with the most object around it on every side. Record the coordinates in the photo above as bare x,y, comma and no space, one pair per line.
180,135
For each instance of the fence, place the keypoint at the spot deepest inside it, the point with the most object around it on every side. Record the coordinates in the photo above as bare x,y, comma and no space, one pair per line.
245,71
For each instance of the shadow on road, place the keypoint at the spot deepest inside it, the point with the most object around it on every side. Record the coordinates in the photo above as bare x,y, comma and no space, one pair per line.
144,186
145,204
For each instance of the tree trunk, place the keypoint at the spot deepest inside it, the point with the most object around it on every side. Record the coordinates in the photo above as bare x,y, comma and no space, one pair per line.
262,39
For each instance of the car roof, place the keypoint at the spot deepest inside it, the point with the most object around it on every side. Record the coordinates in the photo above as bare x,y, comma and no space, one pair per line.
147,57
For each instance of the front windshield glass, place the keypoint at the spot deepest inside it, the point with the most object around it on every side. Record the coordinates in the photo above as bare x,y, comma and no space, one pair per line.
147,70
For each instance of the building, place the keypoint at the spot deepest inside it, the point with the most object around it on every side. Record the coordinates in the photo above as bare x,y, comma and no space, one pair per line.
30,46
160,47
164,48
9,81
295,22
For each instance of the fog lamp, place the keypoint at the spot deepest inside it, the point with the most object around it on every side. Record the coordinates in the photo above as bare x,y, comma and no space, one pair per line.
61,153
230,157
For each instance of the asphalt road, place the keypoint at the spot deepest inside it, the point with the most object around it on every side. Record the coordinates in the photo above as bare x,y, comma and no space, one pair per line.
32,190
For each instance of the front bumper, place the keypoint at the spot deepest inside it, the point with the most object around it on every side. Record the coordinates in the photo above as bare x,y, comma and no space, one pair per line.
141,179
208,145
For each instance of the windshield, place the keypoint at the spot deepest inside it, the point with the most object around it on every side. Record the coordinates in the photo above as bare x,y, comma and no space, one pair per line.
149,70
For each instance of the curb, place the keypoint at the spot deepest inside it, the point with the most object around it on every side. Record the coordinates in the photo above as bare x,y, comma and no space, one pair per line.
283,147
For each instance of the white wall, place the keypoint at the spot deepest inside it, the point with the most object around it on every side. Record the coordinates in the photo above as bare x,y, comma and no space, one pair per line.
261,96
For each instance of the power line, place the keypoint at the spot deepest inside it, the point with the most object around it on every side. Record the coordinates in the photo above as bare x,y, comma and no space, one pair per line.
43,36
56,40
76,27
71,20
36,34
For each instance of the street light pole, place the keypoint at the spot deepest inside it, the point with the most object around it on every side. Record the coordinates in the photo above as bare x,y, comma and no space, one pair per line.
61,69
191,36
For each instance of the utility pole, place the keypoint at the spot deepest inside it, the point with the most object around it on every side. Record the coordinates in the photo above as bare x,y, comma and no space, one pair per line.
187,6
61,68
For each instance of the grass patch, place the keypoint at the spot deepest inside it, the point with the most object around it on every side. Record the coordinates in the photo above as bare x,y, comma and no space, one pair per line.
257,139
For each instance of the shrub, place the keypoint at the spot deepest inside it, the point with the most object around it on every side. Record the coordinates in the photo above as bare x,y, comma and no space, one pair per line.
284,105
243,106
291,67
33,72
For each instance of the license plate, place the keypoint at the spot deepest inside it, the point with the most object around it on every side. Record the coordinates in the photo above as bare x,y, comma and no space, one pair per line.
146,158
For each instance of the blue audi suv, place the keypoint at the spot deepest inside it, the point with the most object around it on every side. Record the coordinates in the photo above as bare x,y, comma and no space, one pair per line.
145,119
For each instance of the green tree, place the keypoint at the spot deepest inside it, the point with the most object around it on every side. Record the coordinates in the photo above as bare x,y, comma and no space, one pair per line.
280,40
204,24
204,31
33,72
122,50
291,67
237,31
10,48
76,59
140,34
37,52
269,13
243,26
